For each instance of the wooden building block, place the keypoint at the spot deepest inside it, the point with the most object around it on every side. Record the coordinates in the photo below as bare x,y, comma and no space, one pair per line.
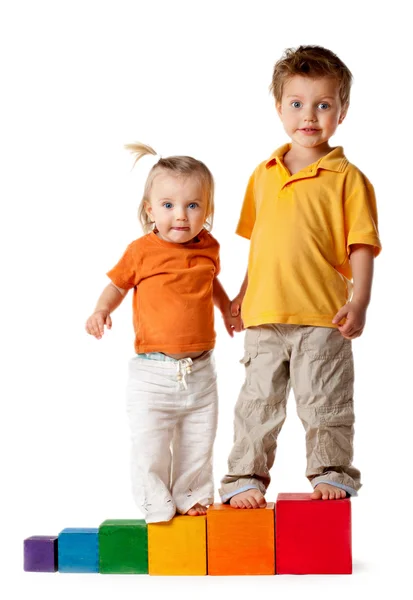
240,541
78,551
40,553
123,546
178,547
312,536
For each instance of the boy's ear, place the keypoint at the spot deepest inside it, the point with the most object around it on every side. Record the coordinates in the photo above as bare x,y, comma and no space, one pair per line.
278,107
343,114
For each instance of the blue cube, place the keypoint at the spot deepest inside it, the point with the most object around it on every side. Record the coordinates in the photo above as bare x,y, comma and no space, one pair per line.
78,551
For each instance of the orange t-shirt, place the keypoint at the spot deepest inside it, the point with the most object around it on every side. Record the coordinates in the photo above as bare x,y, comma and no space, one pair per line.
173,310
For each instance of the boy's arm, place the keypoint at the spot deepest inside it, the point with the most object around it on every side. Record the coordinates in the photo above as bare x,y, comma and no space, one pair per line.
223,303
109,299
237,301
362,265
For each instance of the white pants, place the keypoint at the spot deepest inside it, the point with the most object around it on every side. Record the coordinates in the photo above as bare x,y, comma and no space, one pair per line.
173,408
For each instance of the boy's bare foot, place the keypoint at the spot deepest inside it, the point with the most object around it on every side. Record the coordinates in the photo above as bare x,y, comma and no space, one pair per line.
325,491
249,499
196,510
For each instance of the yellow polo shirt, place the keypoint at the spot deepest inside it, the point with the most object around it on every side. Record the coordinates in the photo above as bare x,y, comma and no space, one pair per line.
301,227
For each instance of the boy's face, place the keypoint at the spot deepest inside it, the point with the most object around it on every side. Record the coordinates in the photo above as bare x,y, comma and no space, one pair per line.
177,206
311,110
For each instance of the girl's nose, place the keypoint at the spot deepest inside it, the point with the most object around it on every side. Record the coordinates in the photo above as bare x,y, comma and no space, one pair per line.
181,215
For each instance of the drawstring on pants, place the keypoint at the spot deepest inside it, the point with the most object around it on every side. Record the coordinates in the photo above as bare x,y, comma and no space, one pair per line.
183,368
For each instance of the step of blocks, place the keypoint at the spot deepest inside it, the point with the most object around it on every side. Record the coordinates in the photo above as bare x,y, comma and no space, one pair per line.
78,550
123,546
40,553
240,541
312,536
178,547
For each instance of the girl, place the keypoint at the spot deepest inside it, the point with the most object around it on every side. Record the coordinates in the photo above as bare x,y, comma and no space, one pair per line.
172,393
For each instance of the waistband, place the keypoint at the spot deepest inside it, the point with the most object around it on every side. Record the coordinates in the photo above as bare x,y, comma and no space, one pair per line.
183,365
165,358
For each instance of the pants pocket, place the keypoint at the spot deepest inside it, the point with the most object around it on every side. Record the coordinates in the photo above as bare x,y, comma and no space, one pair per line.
325,342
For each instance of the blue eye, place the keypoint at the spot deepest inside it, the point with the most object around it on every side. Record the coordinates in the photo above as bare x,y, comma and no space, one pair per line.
296,104
167,204
193,205
323,106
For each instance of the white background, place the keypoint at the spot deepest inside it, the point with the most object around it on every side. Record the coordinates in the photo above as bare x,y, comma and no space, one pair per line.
79,80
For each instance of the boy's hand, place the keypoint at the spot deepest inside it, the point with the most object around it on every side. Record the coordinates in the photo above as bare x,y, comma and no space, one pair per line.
235,308
355,315
96,322
232,318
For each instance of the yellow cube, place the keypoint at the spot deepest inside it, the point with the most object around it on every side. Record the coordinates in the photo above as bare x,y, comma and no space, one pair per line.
178,547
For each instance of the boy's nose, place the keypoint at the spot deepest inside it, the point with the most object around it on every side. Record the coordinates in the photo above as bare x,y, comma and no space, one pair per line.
310,118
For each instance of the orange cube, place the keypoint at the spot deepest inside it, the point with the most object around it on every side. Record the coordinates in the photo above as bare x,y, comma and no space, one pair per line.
241,541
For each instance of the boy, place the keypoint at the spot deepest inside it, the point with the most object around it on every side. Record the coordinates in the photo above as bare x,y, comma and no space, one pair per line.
312,221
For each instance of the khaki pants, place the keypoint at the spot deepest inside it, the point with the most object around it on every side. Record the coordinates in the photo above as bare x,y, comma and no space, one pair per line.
318,363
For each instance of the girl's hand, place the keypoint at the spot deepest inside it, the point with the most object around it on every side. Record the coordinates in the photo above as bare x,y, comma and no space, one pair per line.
232,323
355,315
96,322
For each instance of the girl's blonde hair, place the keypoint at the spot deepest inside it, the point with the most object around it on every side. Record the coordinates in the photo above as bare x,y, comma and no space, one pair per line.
181,166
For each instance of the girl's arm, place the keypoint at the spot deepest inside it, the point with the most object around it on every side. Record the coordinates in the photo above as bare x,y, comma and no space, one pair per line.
109,299
222,301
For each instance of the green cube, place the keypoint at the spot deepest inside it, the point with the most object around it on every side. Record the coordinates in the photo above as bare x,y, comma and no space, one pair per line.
123,546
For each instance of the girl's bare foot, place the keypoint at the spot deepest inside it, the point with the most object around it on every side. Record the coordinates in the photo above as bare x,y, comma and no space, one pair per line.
249,499
196,510
325,491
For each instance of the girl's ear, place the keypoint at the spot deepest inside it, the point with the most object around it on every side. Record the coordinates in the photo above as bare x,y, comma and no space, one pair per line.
148,210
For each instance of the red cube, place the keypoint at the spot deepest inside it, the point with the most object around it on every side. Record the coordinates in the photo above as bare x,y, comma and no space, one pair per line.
312,536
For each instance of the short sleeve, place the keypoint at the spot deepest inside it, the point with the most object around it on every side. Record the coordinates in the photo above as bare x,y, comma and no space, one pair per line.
247,218
213,252
125,274
217,265
360,214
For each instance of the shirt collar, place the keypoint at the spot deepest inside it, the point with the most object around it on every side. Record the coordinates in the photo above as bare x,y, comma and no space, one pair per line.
333,161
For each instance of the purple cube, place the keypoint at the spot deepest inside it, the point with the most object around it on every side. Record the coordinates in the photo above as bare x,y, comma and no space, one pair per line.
40,553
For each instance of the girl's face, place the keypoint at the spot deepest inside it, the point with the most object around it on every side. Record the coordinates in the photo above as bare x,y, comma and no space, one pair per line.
177,206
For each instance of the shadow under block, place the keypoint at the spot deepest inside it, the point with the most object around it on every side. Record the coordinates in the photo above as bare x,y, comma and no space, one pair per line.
78,551
40,553
178,547
312,536
240,541
123,546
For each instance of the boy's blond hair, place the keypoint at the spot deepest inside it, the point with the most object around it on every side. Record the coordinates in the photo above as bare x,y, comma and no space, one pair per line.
180,166
311,61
